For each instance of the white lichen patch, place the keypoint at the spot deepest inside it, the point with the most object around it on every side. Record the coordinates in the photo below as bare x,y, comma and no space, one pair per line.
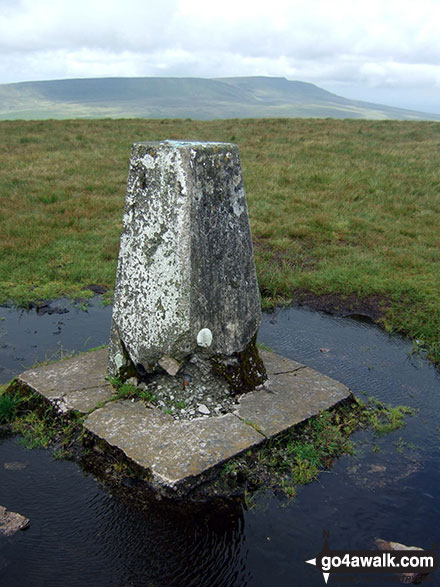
151,293
238,208
148,161
119,360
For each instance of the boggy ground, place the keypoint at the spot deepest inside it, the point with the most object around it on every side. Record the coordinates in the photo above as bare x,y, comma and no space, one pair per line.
370,308
337,208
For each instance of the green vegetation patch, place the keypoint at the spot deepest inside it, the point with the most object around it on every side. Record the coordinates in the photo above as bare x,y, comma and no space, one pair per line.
9,406
296,457
130,391
344,208
37,424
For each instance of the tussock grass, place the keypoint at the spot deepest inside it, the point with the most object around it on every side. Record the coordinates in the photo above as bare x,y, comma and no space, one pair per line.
9,405
336,206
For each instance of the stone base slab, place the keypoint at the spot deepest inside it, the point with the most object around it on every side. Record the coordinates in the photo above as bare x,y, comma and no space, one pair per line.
176,454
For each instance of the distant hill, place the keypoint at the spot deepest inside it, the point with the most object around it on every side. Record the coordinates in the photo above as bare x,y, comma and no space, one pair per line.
197,98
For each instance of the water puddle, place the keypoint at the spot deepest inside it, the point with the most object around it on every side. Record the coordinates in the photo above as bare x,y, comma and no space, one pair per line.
27,337
81,534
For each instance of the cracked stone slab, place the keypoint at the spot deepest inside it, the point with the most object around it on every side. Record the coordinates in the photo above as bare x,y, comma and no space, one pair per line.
277,364
174,451
85,400
10,522
70,375
177,452
290,398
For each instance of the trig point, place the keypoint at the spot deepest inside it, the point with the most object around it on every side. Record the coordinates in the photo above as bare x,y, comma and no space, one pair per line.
185,319
186,288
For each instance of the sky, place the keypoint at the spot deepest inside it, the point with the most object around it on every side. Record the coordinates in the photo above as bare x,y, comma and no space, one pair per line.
383,51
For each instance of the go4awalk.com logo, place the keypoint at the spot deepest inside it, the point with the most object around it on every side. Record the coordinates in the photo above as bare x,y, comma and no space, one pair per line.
409,563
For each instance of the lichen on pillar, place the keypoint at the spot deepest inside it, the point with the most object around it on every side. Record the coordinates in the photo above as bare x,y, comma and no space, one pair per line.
186,295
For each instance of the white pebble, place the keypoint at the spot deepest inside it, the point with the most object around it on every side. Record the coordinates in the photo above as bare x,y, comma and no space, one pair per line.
204,338
203,409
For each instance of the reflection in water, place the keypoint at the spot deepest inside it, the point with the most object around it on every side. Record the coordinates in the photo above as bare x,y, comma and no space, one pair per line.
82,535
27,336
174,546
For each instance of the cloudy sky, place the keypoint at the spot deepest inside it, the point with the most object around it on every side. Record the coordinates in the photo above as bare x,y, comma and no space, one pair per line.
385,51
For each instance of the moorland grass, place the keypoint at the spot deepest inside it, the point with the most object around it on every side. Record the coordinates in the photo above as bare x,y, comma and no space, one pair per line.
347,207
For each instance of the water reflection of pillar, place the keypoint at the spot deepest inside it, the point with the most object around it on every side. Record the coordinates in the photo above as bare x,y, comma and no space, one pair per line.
174,545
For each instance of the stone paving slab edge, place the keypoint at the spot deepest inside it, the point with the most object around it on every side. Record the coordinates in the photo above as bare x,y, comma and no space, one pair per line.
178,452
80,372
173,451
290,398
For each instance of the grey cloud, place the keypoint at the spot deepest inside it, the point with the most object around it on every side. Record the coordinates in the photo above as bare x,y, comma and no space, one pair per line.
371,44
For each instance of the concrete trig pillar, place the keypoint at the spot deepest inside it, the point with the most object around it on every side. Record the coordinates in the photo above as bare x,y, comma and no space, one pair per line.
186,287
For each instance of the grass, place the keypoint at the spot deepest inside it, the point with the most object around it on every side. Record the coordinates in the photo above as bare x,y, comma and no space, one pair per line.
35,422
297,456
383,418
129,391
344,207
9,405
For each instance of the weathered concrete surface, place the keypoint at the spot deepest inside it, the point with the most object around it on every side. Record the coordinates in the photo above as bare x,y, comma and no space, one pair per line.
78,383
293,393
10,522
186,280
175,454
276,364
86,399
174,451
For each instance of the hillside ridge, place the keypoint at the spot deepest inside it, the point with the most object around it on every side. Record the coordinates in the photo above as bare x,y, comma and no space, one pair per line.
186,97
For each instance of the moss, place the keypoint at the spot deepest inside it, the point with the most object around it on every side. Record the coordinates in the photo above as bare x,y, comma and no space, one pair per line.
128,369
243,371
